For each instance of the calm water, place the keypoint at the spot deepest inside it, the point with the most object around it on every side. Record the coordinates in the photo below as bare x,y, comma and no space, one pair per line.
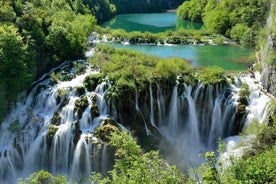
227,57
151,22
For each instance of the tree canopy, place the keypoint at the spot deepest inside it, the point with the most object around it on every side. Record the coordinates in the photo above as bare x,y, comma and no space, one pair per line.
228,17
37,35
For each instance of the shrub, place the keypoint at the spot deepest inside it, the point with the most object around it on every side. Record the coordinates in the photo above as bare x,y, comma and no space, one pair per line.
43,177
212,75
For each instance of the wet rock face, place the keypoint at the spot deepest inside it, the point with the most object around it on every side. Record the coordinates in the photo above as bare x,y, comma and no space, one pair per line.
268,78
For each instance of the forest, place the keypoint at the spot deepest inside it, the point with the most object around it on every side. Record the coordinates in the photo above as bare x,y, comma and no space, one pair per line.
38,35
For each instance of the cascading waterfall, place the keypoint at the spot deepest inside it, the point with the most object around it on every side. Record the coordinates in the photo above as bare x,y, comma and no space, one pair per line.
31,141
46,132
199,116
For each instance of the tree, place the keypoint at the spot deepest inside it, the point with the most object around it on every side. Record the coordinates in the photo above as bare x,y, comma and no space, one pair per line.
238,32
43,177
217,21
134,166
68,34
15,64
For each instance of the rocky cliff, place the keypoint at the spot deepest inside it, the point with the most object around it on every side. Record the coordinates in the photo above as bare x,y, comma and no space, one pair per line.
268,53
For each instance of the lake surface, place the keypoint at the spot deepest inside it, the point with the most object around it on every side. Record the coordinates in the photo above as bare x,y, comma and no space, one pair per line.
227,57
151,22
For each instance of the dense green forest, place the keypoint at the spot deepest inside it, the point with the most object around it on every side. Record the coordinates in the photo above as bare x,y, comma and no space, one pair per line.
238,20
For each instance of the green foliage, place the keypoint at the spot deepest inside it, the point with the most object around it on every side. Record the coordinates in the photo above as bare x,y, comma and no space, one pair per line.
104,132
15,66
192,10
212,75
43,177
91,81
68,33
52,129
238,32
256,169
6,12
36,36
217,21
232,18
210,173
129,70
134,166
180,36
80,90
243,99
80,105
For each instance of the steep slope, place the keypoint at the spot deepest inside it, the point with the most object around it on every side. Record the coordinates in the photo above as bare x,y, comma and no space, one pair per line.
268,53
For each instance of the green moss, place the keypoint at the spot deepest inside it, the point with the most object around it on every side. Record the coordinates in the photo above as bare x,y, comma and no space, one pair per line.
80,106
56,119
94,107
50,134
91,81
80,90
104,132
243,99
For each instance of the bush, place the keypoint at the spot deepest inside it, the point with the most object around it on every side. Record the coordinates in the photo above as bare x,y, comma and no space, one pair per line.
238,32
43,177
212,75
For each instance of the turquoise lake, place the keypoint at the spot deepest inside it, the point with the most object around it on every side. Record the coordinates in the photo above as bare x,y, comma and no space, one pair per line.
227,57
151,22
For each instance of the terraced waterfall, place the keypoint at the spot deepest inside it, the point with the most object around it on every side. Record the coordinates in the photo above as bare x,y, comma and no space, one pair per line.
53,126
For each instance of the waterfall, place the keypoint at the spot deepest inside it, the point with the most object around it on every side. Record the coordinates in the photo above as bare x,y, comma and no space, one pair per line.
46,131
43,132
152,119
81,166
192,120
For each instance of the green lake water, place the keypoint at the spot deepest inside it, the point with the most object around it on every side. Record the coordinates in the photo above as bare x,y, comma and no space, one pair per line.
227,57
151,22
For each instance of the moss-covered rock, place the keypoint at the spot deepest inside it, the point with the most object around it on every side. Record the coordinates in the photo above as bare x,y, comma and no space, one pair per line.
62,93
50,134
104,132
94,107
91,81
56,119
80,106
243,99
80,90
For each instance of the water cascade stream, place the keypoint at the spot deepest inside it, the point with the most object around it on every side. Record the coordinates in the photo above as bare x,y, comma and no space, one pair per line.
33,137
